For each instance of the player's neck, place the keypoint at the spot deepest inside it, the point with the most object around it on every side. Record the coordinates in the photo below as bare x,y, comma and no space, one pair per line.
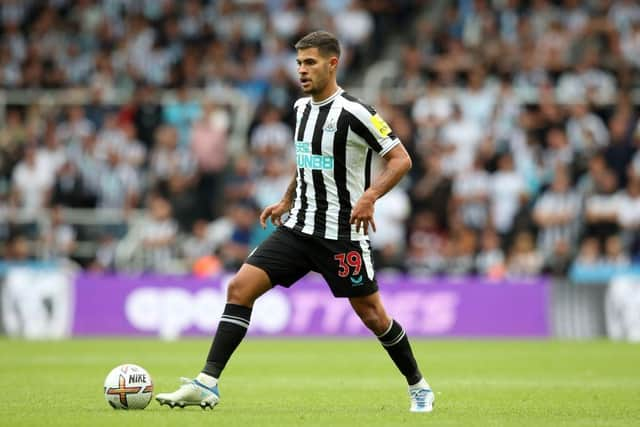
329,90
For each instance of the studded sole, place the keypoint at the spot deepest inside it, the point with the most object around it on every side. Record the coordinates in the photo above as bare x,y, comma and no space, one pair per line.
182,405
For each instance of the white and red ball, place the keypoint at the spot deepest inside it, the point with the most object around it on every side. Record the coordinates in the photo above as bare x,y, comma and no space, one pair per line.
128,386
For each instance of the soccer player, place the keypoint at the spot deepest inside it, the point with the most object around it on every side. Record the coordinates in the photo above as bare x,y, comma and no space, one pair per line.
330,205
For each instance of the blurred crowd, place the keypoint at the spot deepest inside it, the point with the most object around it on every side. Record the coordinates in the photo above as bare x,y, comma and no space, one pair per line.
520,117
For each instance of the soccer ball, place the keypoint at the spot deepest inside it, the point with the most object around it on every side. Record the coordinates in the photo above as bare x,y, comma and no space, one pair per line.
128,386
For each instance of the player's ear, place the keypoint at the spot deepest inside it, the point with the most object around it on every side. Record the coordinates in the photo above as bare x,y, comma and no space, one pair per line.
333,62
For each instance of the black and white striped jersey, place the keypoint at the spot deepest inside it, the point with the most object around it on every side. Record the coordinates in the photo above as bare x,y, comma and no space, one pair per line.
334,142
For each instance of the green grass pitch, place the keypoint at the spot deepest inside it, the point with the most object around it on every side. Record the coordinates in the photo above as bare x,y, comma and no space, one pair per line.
330,383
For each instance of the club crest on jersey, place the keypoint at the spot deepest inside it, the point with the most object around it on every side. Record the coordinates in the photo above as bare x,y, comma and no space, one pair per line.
330,126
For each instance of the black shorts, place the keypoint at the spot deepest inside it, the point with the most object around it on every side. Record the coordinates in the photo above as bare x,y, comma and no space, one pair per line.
287,255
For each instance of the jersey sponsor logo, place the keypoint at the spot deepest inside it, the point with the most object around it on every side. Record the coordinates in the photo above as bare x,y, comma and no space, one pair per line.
304,158
381,126
303,147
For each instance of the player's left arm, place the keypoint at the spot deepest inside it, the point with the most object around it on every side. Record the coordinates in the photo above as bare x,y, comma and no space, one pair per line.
397,163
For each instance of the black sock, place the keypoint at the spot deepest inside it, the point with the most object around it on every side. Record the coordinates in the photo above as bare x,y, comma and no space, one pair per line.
231,330
396,343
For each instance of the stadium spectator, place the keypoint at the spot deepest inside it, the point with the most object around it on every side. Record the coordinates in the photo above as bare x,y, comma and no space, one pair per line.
558,153
287,21
240,184
427,241
559,261
18,248
147,116
354,26
470,195
587,81
432,110
432,189
459,253
31,184
180,113
507,195
58,237
589,254
601,209
459,140
70,189
623,14
6,217
630,45
619,153
119,186
586,132
110,137
477,101
83,156
523,259
629,216
490,260
389,242
155,236
197,244
410,80
614,253
13,136
271,138
210,149
596,169
273,182
234,251
557,214
52,154
168,159
76,127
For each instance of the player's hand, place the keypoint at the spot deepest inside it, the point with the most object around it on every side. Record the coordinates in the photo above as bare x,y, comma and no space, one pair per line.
362,213
274,211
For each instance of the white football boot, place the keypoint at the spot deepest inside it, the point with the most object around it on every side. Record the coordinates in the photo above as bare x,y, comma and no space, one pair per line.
422,398
191,393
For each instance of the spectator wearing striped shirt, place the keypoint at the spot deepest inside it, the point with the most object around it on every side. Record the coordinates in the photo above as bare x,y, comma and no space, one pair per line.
556,213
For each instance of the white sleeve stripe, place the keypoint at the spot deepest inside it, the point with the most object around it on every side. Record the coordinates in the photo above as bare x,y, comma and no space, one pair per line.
387,146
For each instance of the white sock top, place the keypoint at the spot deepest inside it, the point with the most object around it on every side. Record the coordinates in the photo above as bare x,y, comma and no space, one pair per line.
207,380
420,384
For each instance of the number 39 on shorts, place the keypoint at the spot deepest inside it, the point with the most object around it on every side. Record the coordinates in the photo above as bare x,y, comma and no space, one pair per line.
348,261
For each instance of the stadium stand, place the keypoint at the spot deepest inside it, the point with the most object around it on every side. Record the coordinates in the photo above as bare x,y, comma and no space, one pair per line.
164,126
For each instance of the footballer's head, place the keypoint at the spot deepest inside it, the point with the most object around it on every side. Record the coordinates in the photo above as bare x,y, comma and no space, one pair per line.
318,55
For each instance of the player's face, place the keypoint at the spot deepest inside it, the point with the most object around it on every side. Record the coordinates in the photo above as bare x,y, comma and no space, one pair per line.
315,70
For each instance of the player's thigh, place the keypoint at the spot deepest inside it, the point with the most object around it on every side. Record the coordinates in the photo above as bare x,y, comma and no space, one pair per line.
347,266
284,256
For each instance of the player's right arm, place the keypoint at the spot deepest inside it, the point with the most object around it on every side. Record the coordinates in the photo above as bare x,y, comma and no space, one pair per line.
276,210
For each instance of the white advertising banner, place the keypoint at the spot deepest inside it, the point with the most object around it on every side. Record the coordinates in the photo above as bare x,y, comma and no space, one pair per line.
37,301
622,308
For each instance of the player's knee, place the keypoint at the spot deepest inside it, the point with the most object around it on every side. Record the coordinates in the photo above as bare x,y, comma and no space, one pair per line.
239,294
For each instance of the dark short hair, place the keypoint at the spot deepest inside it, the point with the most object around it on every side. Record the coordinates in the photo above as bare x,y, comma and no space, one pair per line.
326,43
